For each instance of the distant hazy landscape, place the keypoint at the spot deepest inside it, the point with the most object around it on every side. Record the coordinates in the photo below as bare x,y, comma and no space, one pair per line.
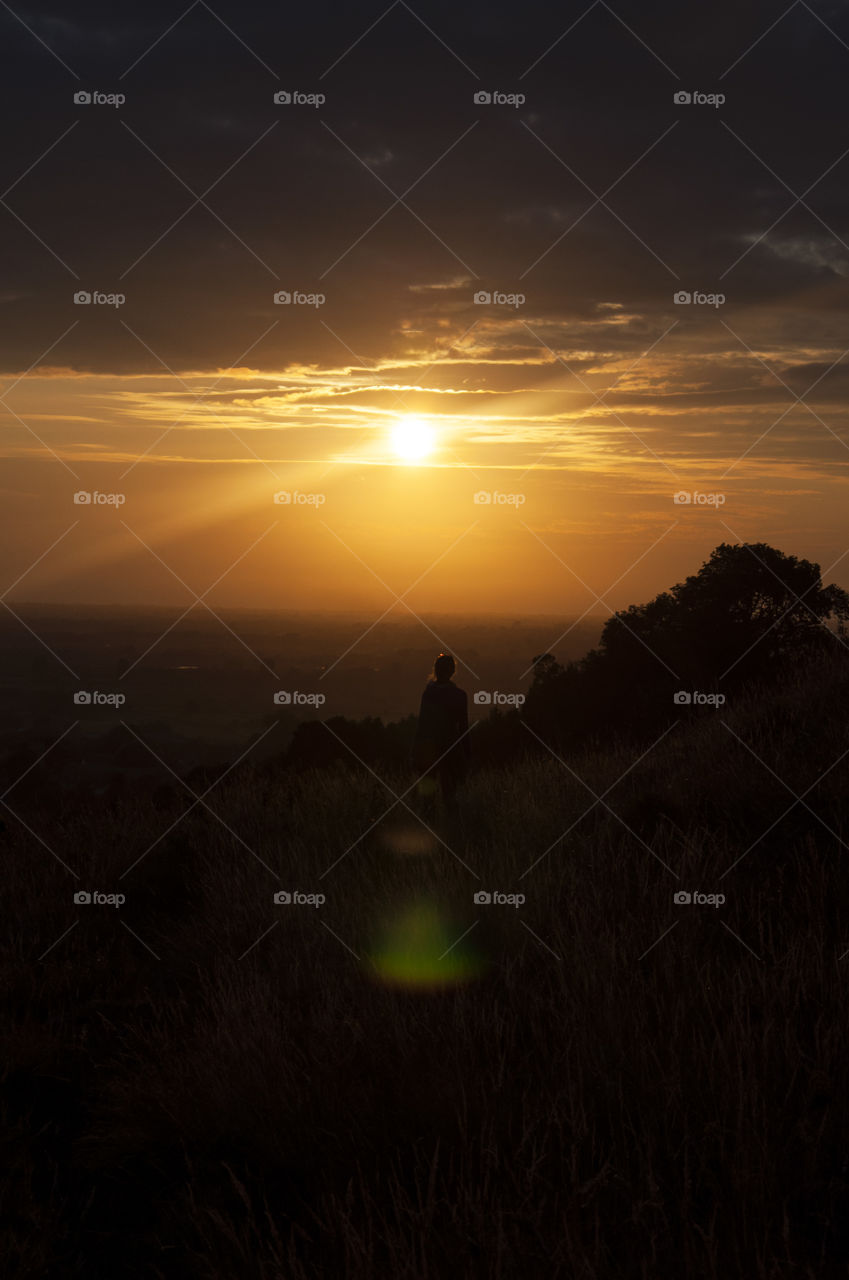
202,691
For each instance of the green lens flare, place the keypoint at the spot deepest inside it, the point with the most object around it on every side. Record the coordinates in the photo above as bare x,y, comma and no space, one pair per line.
421,947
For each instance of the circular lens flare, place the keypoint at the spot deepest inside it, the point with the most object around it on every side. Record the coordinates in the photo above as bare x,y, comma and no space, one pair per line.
420,947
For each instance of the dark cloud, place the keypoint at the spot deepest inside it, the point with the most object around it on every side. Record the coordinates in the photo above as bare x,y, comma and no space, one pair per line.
112,200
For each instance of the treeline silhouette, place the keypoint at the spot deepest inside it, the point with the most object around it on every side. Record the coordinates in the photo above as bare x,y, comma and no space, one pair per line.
751,616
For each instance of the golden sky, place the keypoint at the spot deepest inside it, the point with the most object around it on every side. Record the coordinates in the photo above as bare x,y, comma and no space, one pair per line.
581,449
298,280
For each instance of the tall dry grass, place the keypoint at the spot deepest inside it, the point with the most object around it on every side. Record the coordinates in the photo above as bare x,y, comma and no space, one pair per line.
605,1084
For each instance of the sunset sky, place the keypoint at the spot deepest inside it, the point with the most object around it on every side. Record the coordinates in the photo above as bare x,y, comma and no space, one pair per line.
581,404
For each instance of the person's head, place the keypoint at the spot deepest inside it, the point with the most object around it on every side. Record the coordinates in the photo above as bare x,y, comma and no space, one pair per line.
443,668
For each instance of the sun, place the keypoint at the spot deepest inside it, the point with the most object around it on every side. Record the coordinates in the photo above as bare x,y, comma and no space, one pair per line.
412,439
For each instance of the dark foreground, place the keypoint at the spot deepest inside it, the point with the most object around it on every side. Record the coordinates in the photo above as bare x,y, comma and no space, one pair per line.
401,1082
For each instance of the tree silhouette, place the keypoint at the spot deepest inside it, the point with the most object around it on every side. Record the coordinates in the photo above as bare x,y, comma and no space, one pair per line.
749,612
749,608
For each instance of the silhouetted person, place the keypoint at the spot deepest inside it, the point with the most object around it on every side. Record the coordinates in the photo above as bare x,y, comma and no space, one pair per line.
440,751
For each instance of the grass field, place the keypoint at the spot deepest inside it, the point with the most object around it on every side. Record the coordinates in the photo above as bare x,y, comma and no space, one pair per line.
401,1082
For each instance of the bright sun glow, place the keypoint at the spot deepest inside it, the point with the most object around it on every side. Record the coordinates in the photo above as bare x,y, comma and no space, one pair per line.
412,439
